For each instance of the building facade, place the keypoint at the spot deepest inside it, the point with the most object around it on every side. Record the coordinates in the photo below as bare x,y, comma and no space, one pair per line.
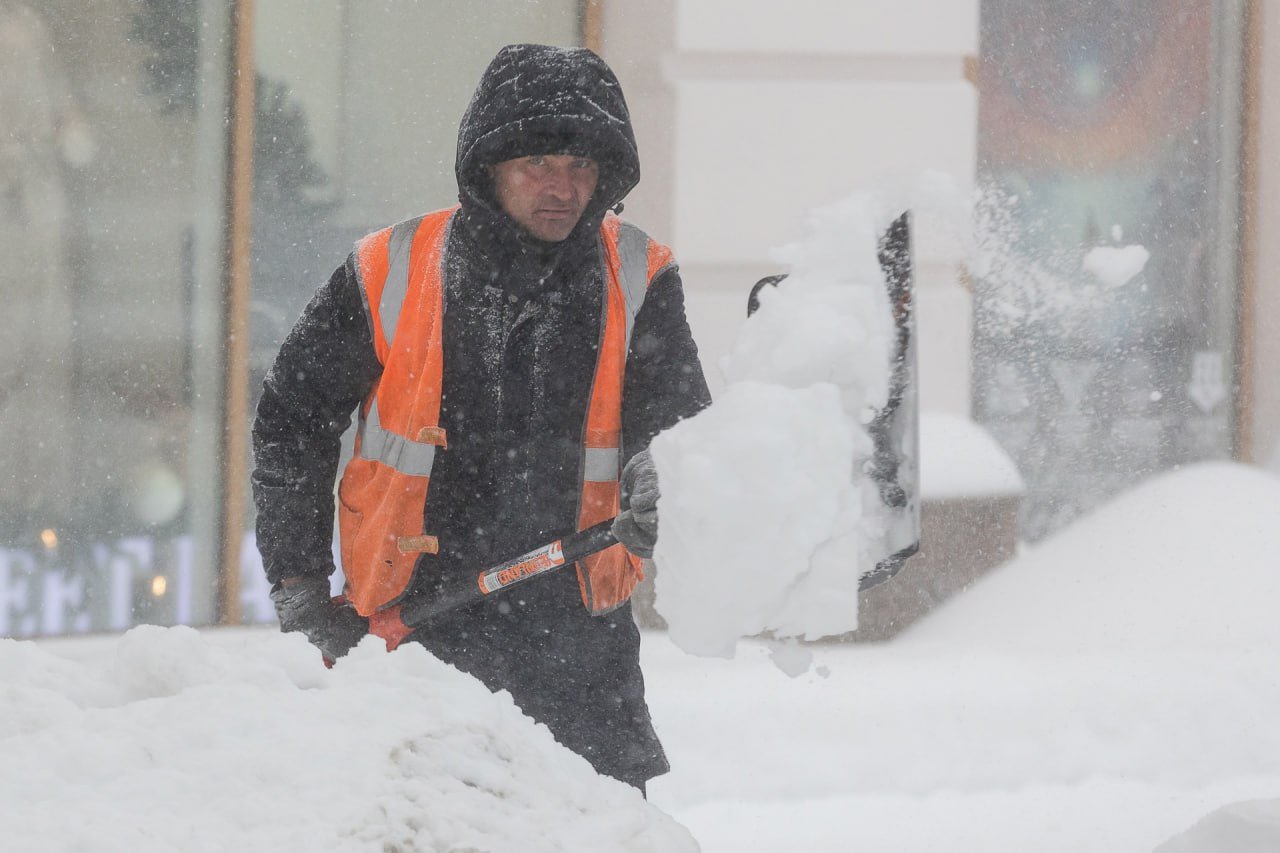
182,174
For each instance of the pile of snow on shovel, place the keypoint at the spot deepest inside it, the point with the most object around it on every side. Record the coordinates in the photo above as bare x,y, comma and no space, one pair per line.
765,526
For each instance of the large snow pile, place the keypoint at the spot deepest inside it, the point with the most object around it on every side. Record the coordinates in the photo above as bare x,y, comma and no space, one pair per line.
180,744
1162,567
1101,692
1248,827
764,527
1060,730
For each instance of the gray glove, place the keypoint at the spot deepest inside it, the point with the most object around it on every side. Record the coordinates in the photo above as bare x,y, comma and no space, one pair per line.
636,526
303,604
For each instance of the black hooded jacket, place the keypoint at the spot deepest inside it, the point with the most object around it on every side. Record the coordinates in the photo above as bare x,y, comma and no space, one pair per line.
522,322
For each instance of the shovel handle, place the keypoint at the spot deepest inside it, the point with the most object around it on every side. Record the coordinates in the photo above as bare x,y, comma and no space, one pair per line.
492,581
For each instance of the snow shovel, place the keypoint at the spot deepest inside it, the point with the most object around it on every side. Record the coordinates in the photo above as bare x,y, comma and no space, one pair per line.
892,466
894,429
396,623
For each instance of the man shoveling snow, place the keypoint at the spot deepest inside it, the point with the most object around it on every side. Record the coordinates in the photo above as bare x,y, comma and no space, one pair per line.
493,427
496,425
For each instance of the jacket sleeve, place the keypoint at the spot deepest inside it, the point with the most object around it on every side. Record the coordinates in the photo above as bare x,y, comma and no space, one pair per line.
664,382
325,368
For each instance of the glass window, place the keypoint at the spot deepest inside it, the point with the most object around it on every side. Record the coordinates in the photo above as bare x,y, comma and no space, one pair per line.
112,128
1108,133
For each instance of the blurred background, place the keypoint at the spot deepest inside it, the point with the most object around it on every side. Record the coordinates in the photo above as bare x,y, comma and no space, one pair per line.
178,176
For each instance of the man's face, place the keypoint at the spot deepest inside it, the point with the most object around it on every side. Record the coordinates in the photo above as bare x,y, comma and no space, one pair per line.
545,194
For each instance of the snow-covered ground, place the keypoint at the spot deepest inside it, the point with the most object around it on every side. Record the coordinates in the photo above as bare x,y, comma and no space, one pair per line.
170,740
1101,693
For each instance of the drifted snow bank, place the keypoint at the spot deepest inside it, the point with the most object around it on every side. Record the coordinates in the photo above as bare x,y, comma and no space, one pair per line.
1162,567
1100,692
1248,827
763,525
183,745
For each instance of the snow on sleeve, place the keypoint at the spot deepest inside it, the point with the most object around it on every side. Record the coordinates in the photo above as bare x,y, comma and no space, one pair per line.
180,744
764,527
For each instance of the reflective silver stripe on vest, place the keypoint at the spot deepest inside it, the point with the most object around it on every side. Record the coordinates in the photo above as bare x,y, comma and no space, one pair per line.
404,455
397,285
633,257
601,465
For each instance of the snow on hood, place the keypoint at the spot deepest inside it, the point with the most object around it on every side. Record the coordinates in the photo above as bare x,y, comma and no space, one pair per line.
182,744
540,99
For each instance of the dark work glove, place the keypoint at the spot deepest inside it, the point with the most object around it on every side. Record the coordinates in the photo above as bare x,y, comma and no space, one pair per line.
304,605
636,526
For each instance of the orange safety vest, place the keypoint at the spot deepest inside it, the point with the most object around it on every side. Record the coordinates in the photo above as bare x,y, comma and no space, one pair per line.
383,491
